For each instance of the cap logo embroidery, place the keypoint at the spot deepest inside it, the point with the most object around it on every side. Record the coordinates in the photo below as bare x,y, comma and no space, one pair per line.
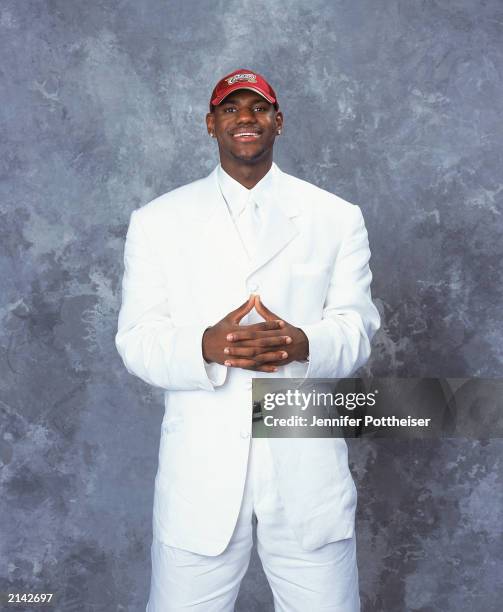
243,76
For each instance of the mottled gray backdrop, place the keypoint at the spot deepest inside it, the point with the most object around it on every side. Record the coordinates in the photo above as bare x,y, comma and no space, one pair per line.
393,105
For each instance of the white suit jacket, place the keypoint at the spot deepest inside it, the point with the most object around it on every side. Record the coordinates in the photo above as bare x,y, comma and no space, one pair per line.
185,268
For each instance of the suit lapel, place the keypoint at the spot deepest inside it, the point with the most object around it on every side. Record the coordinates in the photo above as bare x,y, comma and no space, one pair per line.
278,229
219,235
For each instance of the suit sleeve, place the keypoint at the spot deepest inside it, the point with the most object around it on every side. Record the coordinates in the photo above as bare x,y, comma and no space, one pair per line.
339,344
150,345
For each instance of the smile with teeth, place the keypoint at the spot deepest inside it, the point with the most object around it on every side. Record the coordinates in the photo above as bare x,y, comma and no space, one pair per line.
246,135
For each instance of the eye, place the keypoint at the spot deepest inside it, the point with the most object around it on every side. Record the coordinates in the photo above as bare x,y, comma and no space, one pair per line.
260,108
229,109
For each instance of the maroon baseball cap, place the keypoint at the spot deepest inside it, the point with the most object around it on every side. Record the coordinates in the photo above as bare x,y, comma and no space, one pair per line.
243,79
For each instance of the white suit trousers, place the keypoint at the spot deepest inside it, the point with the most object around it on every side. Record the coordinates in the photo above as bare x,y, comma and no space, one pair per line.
325,579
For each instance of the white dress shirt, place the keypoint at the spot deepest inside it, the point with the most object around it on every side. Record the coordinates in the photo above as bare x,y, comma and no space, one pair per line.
246,206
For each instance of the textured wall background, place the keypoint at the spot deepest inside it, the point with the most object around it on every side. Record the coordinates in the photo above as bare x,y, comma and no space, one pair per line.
394,105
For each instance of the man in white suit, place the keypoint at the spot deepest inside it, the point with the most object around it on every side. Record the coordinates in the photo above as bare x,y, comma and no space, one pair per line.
247,272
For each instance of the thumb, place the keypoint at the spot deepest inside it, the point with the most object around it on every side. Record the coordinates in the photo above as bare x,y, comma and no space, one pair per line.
244,309
263,311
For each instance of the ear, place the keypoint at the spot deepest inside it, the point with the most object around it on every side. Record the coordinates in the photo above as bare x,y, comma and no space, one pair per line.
210,123
279,120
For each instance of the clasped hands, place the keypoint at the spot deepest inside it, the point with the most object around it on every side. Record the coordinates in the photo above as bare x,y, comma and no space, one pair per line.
262,347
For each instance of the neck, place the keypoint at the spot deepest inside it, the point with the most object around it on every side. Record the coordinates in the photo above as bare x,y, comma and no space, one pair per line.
248,174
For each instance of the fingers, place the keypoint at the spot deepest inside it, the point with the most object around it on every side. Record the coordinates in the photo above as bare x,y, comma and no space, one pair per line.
265,325
266,368
250,364
263,310
261,343
271,358
241,362
256,354
247,334
253,302
244,309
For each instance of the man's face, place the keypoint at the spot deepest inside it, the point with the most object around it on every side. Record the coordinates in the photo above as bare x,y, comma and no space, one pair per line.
245,125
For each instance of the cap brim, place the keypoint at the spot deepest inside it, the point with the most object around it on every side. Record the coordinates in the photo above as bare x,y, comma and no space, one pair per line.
216,101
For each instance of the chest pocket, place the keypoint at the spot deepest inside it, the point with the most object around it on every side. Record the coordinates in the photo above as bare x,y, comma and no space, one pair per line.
308,290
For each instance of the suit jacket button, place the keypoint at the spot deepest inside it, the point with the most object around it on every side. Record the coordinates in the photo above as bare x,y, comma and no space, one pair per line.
245,434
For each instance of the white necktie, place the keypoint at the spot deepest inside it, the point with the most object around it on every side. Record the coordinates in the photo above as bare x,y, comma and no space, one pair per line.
249,225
